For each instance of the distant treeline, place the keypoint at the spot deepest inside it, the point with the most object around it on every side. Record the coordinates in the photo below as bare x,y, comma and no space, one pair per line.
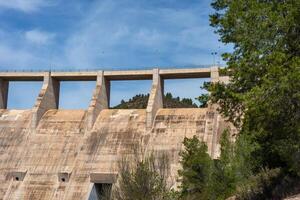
140,101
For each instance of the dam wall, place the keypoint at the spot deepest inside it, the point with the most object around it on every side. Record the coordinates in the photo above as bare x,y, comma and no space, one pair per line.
50,153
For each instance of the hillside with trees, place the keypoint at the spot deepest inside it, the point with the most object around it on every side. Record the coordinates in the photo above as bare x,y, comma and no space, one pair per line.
140,101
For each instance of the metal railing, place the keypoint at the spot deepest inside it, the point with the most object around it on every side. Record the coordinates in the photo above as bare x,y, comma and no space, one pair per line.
75,69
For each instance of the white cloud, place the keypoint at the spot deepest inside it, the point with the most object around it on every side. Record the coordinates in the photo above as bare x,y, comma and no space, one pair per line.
24,5
140,35
18,53
149,38
116,33
39,37
17,58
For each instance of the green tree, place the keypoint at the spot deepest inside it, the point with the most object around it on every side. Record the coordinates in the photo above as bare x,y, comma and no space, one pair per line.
263,97
140,101
196,169
143,179
223,178
203,100
204,178
265,75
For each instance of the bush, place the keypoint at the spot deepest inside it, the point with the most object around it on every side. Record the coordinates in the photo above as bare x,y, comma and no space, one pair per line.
143,179
268,184
204,178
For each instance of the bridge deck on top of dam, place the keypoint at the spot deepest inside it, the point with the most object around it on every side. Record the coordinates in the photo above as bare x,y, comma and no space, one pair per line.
111,75
48,153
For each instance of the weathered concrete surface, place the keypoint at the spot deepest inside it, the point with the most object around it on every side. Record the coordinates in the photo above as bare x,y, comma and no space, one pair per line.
61,146
48,99
100,100
155,101
214,74
46,153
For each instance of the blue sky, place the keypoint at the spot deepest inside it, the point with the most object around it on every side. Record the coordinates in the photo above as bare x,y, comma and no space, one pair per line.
104,34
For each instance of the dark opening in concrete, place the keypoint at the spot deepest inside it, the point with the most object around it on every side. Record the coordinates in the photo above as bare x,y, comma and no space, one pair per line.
100,191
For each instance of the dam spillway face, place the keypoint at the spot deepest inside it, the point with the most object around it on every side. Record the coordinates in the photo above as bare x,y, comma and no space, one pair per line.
48,153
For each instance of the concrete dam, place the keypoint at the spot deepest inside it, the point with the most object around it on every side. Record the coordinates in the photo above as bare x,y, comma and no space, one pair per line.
50,153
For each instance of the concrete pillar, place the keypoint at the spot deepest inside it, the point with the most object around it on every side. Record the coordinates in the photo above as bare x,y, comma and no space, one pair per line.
214,74
100,100
214,117
155,101
48,99
107,86
3,93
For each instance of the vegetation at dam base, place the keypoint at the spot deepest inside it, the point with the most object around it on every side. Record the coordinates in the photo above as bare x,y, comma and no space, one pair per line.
262,101
263,97
201,177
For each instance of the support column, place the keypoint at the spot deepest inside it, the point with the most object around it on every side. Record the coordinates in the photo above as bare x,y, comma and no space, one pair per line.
155,101
3,93
107,86
214,74
48,99
100,100
214,119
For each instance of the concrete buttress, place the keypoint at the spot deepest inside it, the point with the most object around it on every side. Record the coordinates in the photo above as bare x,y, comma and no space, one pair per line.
155,101
99,100
3,93
214,74
48,99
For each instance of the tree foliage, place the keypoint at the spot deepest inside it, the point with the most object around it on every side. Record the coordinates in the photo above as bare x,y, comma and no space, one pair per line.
177,102
140,101
202,177
196,169
265,76
263,97
203,100
143,179
267,184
